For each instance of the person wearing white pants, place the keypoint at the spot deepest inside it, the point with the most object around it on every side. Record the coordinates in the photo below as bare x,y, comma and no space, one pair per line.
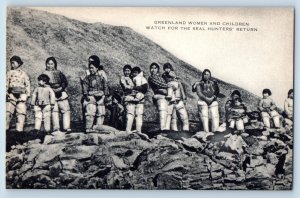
208,106
267,107
235,111
43,100
134,109
167,109
17,92
58,82
94,88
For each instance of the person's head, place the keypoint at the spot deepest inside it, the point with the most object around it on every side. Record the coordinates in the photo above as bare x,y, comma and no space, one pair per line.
266,93
96,61
127,70
206,74
51,64
93,68
135,71
291,94
15,62
235,95
154,68
168,67
43,79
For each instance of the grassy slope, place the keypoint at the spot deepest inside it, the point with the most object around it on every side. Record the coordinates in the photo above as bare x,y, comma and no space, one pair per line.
35,35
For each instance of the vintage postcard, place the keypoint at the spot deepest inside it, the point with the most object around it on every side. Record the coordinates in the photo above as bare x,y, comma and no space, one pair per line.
149,98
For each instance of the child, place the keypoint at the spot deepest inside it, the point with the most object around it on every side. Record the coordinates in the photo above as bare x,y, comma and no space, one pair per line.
267,107
43,101
170,77
139,80
116,112
17,91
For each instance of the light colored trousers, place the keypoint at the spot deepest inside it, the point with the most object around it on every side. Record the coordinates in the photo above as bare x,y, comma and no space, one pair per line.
209,112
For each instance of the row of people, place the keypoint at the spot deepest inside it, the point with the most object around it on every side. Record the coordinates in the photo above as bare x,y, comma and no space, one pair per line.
50,98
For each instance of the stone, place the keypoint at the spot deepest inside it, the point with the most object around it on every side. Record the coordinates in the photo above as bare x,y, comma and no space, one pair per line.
168,181
236,143
193,144
202,135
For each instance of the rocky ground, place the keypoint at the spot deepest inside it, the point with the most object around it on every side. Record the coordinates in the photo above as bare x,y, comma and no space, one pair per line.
112,159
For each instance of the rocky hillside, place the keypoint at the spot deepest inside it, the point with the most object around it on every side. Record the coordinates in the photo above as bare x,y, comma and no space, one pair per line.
35,35
111,159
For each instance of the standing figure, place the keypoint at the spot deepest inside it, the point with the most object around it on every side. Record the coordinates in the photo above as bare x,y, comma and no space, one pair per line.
289,108
17,92
58,82
94,88
176,95
159,87
236,111
267,107
96,60
43,101
208,106
134,108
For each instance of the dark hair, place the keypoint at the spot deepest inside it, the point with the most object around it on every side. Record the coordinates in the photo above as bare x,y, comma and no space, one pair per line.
268,91
290,91
168,65
236,92
136,69
204,71
17,59
94,64
154,64
127,67
54,61
96,61
44,78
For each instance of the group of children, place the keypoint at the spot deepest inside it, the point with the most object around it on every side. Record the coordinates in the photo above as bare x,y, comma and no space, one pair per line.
50,98
236,111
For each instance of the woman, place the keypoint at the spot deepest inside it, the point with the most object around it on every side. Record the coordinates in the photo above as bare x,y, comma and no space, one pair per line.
17,92
94,88
58,82
159,87
208,106
134,109
168,110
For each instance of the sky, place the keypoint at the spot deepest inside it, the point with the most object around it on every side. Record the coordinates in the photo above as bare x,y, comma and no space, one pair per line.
254,60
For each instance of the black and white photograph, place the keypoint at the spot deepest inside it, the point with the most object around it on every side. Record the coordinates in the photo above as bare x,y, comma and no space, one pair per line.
150,98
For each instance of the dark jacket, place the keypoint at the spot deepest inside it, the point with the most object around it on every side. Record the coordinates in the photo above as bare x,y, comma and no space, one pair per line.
94,83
